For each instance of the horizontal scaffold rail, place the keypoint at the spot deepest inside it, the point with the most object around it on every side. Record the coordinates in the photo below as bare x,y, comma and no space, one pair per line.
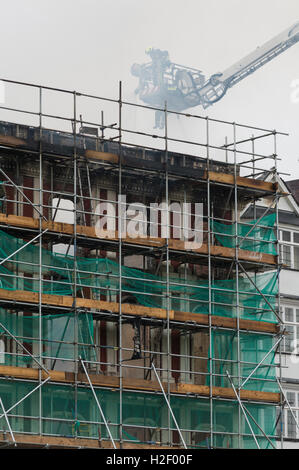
173,245
30,440
67,302
138,384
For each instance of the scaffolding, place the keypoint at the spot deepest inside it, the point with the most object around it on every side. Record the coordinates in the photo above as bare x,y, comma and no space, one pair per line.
113,340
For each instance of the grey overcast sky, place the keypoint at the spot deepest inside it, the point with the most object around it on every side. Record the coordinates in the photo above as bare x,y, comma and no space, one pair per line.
89,45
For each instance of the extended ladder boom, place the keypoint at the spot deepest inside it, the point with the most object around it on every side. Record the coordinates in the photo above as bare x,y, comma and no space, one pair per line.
181,87
218,84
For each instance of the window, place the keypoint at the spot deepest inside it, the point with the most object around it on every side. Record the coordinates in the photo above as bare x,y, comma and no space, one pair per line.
290,315
289,248
286,235
286,255
290,429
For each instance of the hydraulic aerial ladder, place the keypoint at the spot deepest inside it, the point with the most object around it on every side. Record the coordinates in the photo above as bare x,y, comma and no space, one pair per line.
182,87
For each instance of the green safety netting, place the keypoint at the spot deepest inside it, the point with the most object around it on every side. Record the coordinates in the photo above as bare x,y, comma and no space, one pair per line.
102,276
262,237
59,333
139,411
252,349
224,297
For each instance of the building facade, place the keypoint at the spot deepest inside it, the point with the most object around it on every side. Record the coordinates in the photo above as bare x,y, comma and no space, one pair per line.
119,327
288,221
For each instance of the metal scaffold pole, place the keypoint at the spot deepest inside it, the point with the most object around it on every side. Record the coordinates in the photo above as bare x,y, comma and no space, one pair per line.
41,216
169,407
74,284
210,237
121,225
167,236
97,402
236,234
7,421
243,411
279,263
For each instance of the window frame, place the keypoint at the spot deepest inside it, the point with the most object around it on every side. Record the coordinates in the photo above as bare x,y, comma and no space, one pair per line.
294,324
292,245
294,434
